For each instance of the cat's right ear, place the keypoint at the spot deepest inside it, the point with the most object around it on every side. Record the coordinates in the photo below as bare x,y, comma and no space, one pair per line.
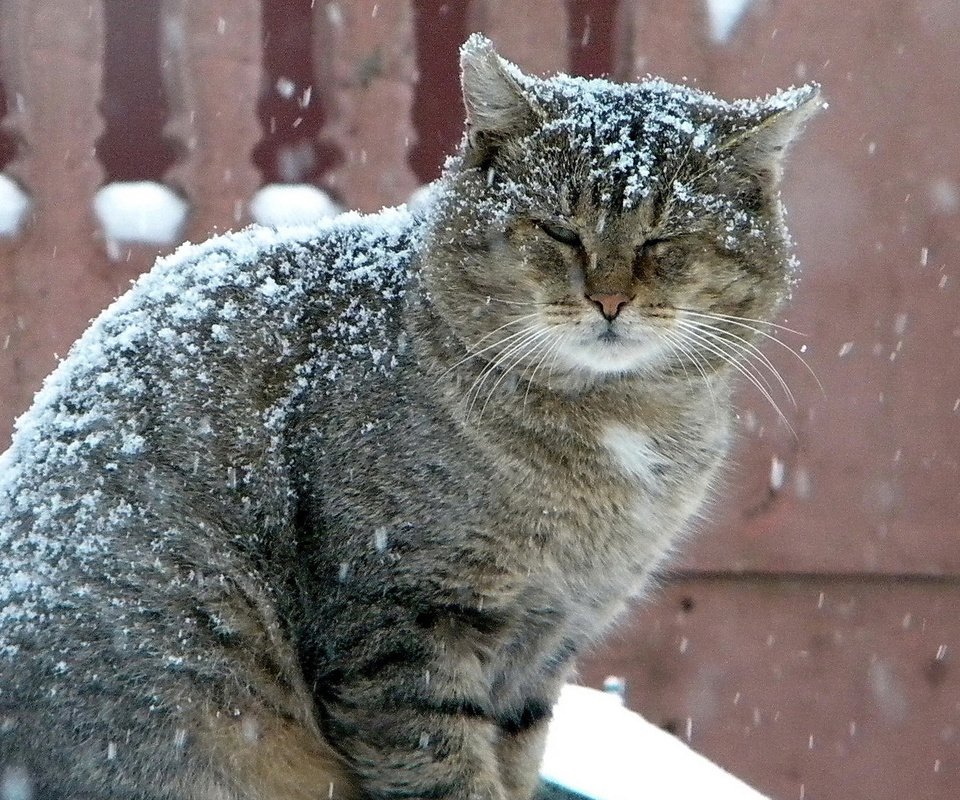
497,107
764,134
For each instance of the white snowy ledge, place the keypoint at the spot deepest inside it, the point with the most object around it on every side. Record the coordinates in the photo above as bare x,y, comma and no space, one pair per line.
283,204
601,750
14,207
143,212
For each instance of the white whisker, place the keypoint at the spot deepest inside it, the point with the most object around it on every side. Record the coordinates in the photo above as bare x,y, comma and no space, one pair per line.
732,353
749,324
491,365
499,342
747,348
532,344
719,316
562,340
530,333
492,299
677,345
552,344
695,338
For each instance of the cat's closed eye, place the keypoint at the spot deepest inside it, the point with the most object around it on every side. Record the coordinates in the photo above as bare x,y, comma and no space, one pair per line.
658,246
560,233
647,256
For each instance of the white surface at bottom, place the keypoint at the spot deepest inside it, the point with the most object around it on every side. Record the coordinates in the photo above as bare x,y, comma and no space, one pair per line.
600,749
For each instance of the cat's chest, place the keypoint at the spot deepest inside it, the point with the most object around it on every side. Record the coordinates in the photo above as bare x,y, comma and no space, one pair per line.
664,476
620,471
588,535
637,459
616,508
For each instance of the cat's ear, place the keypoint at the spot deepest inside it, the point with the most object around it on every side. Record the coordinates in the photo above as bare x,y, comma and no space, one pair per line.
763,137
497,106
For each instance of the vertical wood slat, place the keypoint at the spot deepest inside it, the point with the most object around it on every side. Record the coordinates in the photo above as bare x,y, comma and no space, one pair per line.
643,28
534,34
211,55
366,70
51,57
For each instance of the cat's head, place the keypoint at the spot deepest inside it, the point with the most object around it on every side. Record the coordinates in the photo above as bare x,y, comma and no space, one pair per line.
588,226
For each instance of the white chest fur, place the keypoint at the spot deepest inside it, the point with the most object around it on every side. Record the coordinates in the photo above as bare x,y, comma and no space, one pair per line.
636,454
666,490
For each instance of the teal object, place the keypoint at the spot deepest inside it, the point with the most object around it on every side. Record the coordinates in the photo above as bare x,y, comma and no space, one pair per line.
552,791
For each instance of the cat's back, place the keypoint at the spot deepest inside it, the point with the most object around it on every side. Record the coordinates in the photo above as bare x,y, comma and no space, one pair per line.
156,453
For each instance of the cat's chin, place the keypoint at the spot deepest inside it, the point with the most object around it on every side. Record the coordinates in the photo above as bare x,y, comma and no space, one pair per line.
610,355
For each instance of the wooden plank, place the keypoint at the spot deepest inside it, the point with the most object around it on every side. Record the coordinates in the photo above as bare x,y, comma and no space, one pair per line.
817,688
211,53
663,37
592,35
437,114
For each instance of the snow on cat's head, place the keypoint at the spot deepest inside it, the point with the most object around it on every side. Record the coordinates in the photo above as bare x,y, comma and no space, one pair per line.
585,225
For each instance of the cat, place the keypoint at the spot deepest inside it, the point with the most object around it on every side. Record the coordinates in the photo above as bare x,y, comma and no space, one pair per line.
330,512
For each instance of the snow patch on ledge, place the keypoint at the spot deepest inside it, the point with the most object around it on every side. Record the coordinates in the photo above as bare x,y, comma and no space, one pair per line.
14,207
423,198
724,16
603,751
282,204
145,212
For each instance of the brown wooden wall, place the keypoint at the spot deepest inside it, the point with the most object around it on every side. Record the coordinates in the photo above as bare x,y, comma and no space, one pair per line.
810,637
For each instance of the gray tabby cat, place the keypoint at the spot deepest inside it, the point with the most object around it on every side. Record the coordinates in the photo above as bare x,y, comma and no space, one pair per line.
330,513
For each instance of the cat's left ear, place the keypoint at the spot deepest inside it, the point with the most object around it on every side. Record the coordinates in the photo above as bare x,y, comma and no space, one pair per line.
498,109
768,130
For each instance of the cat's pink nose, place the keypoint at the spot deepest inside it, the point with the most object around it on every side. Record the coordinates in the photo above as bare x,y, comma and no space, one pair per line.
609,304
